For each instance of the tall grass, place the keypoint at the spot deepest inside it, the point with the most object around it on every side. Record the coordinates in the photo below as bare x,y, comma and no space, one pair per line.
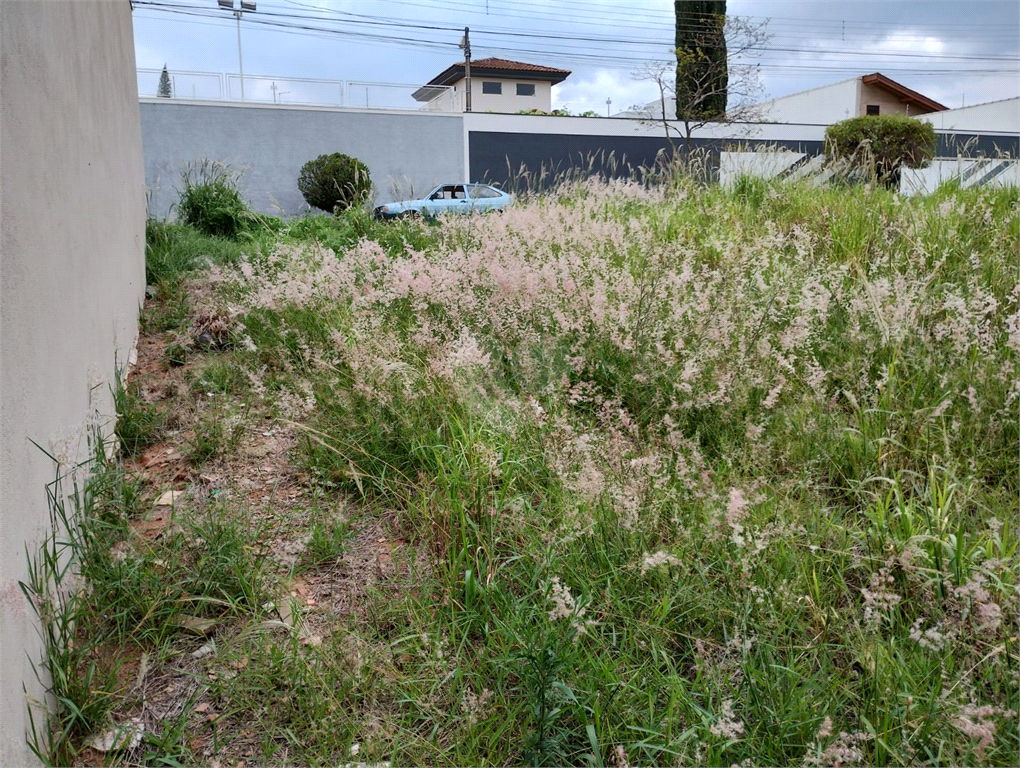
681,476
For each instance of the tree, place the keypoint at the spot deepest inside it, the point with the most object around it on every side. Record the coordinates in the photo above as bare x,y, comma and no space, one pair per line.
881,144
334,182
701,57
165,90
708,80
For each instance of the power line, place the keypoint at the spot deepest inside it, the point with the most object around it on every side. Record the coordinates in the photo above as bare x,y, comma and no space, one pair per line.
564,50
365,20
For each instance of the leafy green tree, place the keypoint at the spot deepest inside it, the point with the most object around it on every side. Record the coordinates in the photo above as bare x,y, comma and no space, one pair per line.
334,182
701,71
881,144
701,81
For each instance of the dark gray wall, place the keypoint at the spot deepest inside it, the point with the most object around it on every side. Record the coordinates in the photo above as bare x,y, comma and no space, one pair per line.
529,160
270,143
516,160
951,144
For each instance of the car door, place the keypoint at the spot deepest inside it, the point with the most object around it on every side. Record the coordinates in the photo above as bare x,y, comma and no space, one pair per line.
433,204
460,202
449,198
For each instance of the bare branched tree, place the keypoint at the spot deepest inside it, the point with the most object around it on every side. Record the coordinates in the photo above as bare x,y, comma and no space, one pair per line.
744,40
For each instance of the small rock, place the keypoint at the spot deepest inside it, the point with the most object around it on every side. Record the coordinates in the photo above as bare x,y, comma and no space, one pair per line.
197,624
127,736
167,498
205,650
205,341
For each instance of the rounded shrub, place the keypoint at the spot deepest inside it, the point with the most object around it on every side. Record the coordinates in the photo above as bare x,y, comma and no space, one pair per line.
334,182
887,141
210,201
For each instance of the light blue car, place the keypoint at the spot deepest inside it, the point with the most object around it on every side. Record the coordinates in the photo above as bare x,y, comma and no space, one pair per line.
449,198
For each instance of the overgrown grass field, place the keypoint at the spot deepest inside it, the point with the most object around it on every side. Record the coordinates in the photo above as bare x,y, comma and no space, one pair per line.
623,476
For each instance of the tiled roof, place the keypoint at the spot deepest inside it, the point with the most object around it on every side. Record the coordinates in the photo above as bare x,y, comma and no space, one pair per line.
516,66
492,67
906,94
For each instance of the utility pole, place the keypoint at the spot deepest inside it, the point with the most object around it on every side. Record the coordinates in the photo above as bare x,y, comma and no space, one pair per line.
609,101
246,5
465,43
277,94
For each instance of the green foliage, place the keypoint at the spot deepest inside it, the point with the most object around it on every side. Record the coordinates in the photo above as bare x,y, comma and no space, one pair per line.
165,89
334,182
210,201
139,424
554,112
574,546
345,229
174,251
701,72
886,141
168,310
328,542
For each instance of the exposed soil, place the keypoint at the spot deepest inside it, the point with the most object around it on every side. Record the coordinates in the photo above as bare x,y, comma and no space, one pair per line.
257,478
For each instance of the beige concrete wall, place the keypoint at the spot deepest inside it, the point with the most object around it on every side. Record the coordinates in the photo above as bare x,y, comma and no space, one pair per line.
888,103
72,274
508,102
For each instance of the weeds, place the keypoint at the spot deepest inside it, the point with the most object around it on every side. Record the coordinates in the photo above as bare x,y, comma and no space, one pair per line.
210,201
629,474
139,424
327,543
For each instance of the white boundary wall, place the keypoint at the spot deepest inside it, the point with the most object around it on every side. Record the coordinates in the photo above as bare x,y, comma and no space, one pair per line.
72,275
767,165
983,172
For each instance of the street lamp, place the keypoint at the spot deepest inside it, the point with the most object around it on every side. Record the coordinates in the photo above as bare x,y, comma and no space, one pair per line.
609,102
246,5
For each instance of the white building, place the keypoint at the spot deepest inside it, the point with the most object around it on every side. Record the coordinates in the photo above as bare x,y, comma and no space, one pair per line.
497,85
873,94
1001,116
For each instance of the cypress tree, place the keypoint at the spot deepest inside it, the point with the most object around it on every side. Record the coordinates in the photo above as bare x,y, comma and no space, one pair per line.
164,91
701,75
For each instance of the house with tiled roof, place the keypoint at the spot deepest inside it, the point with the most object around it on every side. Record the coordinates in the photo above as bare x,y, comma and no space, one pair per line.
873,94
497,85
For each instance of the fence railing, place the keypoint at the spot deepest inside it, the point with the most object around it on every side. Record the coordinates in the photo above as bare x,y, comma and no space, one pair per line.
305,91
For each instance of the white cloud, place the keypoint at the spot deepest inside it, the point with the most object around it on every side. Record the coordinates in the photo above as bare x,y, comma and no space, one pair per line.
908,41
590,91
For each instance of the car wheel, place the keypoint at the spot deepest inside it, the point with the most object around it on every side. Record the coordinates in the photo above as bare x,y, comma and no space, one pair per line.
412,215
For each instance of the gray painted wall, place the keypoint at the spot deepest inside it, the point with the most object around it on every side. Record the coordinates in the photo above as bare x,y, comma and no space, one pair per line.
269,143
72,275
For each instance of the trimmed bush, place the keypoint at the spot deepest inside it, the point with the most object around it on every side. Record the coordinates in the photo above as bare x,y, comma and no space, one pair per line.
334,182
210,201
892,141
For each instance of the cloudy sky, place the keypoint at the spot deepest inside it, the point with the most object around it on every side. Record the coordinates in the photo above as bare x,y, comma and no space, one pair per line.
956,52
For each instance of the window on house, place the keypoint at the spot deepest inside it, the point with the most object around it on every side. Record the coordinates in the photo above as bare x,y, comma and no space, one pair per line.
873,109
525,89
494,88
